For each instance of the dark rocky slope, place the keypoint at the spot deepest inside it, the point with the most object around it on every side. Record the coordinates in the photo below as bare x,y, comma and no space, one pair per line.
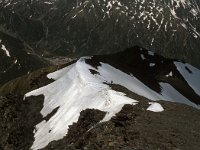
20,61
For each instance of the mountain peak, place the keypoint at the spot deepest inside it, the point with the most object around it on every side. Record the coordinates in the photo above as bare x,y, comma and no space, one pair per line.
89,82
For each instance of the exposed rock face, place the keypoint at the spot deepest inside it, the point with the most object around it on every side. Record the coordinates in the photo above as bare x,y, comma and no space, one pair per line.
87,27
17,121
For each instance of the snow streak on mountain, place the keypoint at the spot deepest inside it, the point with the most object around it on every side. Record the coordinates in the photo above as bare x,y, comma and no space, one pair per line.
87,84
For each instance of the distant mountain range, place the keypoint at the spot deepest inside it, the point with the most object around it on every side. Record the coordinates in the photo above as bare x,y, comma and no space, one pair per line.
48,29
134,99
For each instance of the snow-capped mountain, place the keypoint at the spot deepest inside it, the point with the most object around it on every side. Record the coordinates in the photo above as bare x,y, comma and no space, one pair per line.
133,99
86,27
104,84
87,84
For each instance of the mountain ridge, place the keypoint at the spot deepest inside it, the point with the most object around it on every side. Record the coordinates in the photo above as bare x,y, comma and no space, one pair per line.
95,83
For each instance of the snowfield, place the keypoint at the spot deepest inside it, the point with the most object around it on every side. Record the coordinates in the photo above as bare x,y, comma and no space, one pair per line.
75,89
190,74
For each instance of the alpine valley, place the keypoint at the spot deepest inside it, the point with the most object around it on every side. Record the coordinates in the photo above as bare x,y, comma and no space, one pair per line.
38,33
99,74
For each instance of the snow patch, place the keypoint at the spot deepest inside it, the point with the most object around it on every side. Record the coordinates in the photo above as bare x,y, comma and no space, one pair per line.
155,107
152,64
170,74
110,74
3,47
49,3
173,13
190,74
172,95
151,53
142,56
